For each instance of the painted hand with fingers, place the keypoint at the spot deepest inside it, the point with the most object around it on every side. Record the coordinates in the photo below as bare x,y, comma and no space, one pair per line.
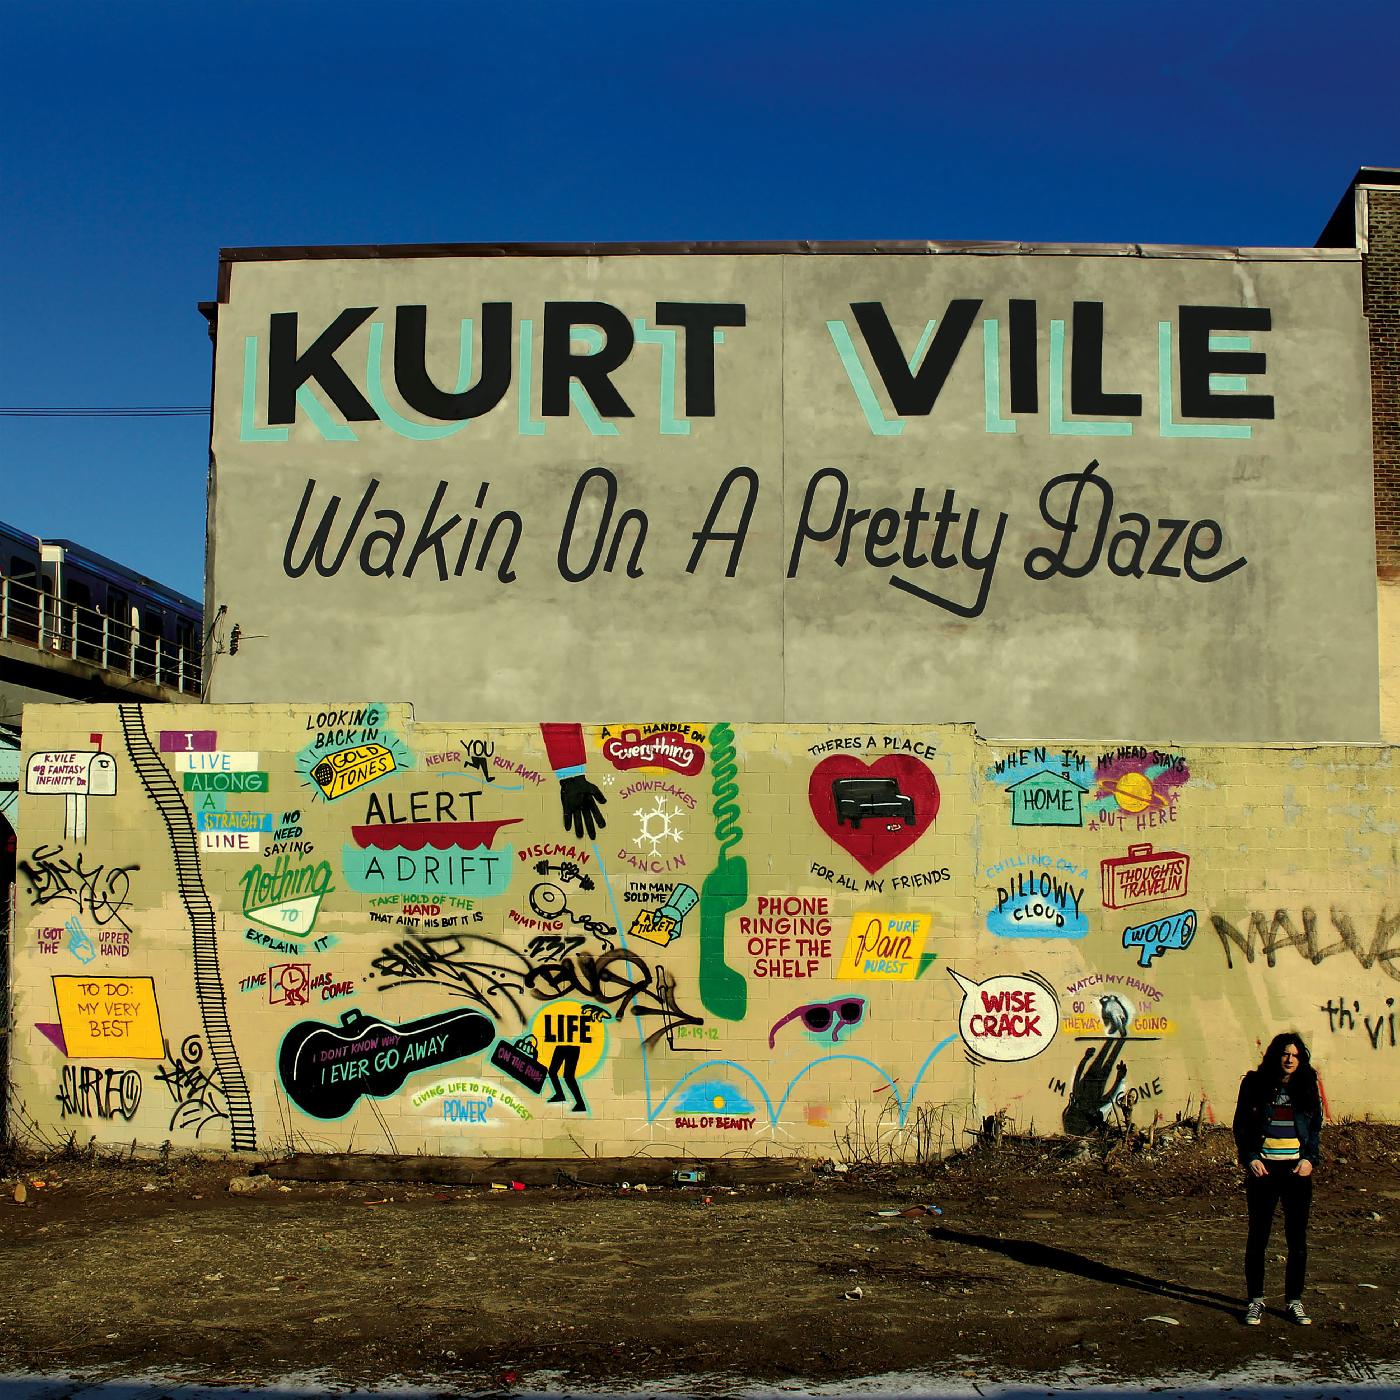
582,803
1091,1095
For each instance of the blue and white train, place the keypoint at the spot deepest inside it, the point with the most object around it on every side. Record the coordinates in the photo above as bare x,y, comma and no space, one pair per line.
63,597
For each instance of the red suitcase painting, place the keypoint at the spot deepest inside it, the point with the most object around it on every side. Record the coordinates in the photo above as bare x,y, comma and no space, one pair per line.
1143,876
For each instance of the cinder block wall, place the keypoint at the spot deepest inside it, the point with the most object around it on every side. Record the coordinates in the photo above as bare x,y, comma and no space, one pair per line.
332,928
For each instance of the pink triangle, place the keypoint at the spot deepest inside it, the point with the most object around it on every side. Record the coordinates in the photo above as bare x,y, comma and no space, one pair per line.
54,1033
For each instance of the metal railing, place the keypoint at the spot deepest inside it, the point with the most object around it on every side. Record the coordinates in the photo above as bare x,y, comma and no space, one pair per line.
38,619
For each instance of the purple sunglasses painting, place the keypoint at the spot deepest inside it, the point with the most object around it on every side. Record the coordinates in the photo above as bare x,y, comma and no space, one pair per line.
819,1016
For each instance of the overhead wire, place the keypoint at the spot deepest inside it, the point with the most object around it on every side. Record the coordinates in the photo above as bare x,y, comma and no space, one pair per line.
150,411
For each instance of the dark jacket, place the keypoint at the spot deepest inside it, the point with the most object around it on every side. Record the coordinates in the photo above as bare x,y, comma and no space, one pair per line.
1252,1119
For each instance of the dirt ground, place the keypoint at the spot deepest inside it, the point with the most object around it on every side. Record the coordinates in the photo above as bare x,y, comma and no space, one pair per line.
1107,1260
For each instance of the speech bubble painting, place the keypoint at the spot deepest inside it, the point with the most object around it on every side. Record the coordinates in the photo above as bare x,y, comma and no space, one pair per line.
1153,939
1007,1018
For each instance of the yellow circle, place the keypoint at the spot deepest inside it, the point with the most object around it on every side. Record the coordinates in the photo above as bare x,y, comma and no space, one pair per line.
565,1022
1134,792
717,1103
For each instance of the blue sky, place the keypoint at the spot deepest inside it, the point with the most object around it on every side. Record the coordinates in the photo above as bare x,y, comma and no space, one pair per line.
142,137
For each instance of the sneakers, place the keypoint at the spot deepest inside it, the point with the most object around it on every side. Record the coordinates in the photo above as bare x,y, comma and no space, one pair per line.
1293,1311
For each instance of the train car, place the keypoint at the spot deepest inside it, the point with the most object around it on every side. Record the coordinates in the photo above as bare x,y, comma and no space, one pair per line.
23,585
61,596
120,618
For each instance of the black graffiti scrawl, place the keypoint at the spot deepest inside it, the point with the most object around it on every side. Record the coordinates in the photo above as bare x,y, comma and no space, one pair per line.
325,1068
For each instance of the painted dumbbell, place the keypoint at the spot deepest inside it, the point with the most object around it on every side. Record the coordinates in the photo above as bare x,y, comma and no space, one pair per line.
565,870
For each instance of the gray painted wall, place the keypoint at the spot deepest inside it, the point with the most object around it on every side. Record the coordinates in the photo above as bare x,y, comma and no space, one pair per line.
1281,647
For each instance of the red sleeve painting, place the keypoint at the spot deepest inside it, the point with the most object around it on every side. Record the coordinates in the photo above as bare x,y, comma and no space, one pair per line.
563,743
581,803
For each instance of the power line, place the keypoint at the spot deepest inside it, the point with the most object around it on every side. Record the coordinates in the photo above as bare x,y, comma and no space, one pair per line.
151,411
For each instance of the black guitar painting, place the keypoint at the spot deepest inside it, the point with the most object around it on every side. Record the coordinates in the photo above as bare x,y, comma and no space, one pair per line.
326,1068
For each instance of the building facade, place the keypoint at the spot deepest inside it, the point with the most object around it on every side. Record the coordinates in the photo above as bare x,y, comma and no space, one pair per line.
1069,491
441,878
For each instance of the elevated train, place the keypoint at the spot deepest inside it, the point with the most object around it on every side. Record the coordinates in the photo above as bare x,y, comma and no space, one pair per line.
64,597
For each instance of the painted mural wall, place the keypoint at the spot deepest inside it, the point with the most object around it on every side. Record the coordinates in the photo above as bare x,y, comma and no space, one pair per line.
330,927
999,485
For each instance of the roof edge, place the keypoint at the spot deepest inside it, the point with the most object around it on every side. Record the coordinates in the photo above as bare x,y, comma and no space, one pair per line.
803,247
1341,230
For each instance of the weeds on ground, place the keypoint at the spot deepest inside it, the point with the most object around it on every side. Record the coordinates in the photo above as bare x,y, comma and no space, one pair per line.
945,1140
876,1143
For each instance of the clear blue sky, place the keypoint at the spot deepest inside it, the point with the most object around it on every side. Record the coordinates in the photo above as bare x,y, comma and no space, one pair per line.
141,137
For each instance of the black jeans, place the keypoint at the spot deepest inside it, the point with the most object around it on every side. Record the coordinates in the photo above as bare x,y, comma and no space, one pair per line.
1263,1193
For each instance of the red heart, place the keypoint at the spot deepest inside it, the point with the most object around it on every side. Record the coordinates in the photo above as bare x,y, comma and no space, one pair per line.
873,823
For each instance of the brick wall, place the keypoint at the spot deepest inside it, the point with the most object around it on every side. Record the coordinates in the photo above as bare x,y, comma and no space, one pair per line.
1382,302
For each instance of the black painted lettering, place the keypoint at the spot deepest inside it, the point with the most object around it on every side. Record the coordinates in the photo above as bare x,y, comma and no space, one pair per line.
737,536
561,365
1160,568
1086,393
1198,362
411,365
700,319
287,371
1025,396
321,536
913,393
1195,552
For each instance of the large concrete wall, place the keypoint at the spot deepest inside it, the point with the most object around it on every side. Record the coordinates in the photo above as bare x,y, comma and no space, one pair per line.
294,926
1084,494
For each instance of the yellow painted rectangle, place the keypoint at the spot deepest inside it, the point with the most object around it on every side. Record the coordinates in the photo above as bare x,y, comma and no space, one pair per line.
347,769
884,947
109,1018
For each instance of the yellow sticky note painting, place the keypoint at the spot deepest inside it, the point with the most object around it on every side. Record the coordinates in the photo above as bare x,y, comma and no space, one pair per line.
109,1018
884,947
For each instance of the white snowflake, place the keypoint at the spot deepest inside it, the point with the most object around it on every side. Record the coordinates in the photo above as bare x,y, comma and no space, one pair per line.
657,825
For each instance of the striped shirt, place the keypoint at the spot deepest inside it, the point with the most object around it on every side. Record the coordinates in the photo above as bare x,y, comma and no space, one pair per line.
1281,1132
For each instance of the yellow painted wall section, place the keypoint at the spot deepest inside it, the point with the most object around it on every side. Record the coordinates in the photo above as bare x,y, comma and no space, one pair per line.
332,928
1388,610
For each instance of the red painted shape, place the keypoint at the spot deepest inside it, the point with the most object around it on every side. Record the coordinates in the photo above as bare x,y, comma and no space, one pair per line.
879,839
441,836
667,749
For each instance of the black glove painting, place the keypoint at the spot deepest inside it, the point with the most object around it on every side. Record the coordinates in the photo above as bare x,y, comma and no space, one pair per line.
582,803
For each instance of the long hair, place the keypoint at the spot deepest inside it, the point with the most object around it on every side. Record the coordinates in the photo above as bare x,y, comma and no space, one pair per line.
1304,1080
